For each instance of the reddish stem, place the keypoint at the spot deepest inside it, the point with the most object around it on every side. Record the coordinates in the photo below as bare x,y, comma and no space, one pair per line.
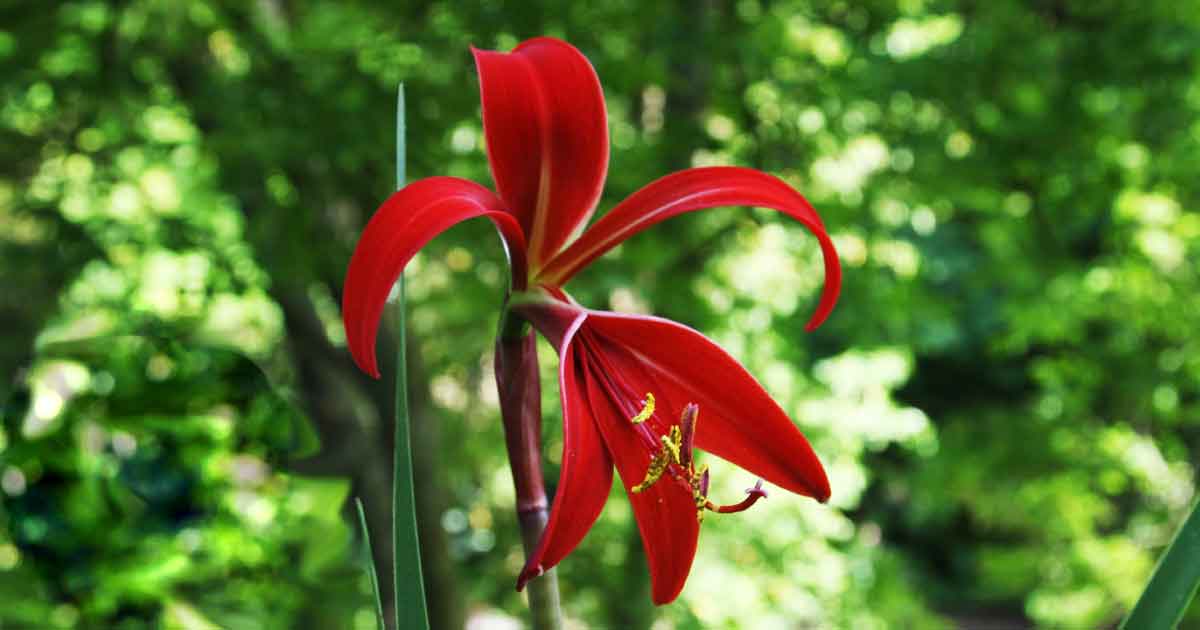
521,408
517,381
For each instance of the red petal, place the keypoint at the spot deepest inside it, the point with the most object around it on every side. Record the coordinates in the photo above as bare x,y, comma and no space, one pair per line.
408,220
738,420
697,189
665,512
547,137
586,475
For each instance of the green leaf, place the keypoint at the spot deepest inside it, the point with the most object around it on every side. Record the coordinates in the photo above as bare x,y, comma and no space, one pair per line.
1174,582
409,584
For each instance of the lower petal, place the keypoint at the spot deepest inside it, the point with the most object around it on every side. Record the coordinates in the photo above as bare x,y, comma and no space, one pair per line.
738,421
584,481
665,512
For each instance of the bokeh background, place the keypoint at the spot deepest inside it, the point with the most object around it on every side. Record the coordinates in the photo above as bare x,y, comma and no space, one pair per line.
1007,397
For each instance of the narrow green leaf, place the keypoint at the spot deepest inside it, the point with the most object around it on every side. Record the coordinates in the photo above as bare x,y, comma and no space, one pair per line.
406,566
401,155
366,533
1173,584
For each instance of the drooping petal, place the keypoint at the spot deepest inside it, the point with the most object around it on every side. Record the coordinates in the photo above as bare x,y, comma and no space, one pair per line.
739,421
547,137
665,511
408,220
586,475
697,189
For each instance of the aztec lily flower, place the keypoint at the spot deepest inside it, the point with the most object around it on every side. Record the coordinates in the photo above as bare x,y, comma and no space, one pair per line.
638,392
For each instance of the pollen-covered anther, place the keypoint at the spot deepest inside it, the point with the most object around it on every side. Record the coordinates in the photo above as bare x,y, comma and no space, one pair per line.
658,465
662,459
647,410
699,484
672,443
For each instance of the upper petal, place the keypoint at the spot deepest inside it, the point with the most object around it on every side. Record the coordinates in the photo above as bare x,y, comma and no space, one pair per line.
697,189
405,222
738,420
547,137
586,475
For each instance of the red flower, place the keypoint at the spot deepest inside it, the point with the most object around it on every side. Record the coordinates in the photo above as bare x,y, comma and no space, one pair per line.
638,392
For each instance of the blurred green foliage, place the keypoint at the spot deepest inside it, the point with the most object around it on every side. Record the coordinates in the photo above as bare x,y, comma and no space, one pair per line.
1007,397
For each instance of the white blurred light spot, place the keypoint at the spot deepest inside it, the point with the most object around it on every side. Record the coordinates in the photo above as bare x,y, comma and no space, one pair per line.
13,481
160,189
449,392
720,127
491,619
654,100
959,144
10,557
910,38
464,139
124,202
454,521
626,301
811,120
1149,208
47,404
852,249
924,221
1164,249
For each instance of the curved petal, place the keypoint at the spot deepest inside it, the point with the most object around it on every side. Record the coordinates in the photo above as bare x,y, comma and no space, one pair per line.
739,421
547,137
697,189
665,511
405,222
586,475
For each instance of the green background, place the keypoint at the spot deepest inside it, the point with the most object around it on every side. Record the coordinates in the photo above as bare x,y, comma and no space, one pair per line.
1007,397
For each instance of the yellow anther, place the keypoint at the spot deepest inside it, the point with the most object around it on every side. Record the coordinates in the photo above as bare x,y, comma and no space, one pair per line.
698,493
646,412
671,444
658,466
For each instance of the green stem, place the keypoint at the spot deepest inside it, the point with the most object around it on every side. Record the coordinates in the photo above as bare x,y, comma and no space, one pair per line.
406,566
545,610
1173,584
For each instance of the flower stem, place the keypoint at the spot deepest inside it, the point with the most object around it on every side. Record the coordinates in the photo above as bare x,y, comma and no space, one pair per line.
406,565
1174,582
518,383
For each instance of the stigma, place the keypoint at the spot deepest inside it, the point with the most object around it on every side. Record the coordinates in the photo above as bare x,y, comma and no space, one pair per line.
672,458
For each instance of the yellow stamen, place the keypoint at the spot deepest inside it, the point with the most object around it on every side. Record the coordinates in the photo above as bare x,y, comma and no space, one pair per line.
671,444
658,466
646,412
698,495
